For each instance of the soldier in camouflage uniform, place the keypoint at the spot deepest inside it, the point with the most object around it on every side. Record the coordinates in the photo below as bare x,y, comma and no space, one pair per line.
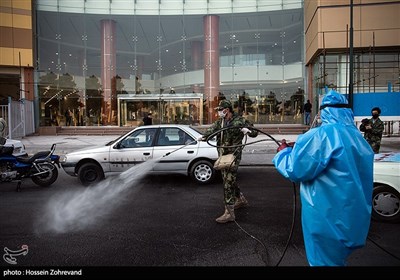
373,129
233,198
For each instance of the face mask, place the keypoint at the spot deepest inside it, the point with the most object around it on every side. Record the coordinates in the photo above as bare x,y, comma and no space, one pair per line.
375,116
221,114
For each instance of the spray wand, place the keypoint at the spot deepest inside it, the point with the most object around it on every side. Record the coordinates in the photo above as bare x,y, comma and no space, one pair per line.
167,154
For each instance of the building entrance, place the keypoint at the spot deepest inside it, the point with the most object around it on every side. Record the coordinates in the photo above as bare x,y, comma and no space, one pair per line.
165,108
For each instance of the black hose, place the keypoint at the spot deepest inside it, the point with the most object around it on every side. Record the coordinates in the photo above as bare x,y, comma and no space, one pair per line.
209,137
383,249
294,188
293,223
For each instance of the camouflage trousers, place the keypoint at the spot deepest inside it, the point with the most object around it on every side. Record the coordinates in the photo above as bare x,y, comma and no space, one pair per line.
375,145
231,187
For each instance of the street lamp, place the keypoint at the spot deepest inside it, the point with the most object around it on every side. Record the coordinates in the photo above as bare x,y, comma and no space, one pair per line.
351,84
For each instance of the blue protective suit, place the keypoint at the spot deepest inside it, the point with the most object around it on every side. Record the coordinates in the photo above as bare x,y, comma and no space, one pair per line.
334,164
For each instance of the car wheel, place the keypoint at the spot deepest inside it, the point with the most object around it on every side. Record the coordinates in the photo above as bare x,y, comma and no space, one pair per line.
386,204
202,172
90,173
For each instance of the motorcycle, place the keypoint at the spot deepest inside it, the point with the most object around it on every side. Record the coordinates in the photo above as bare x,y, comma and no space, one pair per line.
41,167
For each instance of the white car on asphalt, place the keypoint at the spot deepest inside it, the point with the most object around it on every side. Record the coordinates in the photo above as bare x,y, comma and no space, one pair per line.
174,145
386,195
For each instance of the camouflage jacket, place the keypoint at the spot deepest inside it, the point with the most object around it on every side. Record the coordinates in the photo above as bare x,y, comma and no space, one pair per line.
374,134
231,137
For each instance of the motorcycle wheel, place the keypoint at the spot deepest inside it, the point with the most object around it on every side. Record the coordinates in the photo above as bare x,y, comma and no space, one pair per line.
46,179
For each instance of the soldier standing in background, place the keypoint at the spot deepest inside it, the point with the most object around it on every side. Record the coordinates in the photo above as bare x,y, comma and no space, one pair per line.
373,129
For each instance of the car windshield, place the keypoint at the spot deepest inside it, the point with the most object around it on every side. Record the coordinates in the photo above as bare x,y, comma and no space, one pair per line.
196,129
214,139
139,138
115,140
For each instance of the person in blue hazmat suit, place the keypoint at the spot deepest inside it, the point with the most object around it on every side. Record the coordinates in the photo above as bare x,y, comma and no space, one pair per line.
334,164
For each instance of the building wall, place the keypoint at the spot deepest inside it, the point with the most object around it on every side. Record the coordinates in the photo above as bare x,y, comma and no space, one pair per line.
327,23
376,49
388,102
16,33
16,50
159,47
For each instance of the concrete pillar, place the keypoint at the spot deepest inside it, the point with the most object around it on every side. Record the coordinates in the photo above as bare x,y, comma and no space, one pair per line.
108,72
211,64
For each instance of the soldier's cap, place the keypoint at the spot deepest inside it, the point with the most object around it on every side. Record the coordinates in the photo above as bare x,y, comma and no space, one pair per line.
223,104
376,109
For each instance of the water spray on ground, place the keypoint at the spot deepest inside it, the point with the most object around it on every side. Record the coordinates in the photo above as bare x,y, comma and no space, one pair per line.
78,210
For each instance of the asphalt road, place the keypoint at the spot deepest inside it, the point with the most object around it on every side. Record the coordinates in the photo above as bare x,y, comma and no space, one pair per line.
164,221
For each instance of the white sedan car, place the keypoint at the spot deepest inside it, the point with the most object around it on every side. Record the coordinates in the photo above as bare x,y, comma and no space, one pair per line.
174,145
19,148
386,195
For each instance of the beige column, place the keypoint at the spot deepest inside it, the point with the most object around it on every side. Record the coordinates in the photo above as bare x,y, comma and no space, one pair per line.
211,64
108,72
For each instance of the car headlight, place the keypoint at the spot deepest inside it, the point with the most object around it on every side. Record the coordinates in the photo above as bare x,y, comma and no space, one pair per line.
63,158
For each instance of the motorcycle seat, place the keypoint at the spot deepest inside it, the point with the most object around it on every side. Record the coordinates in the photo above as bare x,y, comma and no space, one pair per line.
31,159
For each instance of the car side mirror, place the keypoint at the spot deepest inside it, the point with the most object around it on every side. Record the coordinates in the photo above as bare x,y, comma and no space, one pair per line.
117,146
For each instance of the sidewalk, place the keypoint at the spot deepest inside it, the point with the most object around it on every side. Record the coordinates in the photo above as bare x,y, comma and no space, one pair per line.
260,153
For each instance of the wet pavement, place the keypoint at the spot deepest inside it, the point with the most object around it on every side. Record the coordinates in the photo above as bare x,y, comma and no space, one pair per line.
168,221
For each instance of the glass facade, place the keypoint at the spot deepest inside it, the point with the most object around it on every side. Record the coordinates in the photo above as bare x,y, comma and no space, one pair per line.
374,71
112,62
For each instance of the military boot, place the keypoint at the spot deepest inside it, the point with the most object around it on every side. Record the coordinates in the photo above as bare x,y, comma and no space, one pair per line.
228,216
241,201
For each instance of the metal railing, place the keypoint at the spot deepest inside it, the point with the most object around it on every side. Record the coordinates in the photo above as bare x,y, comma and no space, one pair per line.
392,128
19,116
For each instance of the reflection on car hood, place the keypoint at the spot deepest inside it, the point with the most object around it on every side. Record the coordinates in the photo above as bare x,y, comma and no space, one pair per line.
97,149
387,157
19,148
12,142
